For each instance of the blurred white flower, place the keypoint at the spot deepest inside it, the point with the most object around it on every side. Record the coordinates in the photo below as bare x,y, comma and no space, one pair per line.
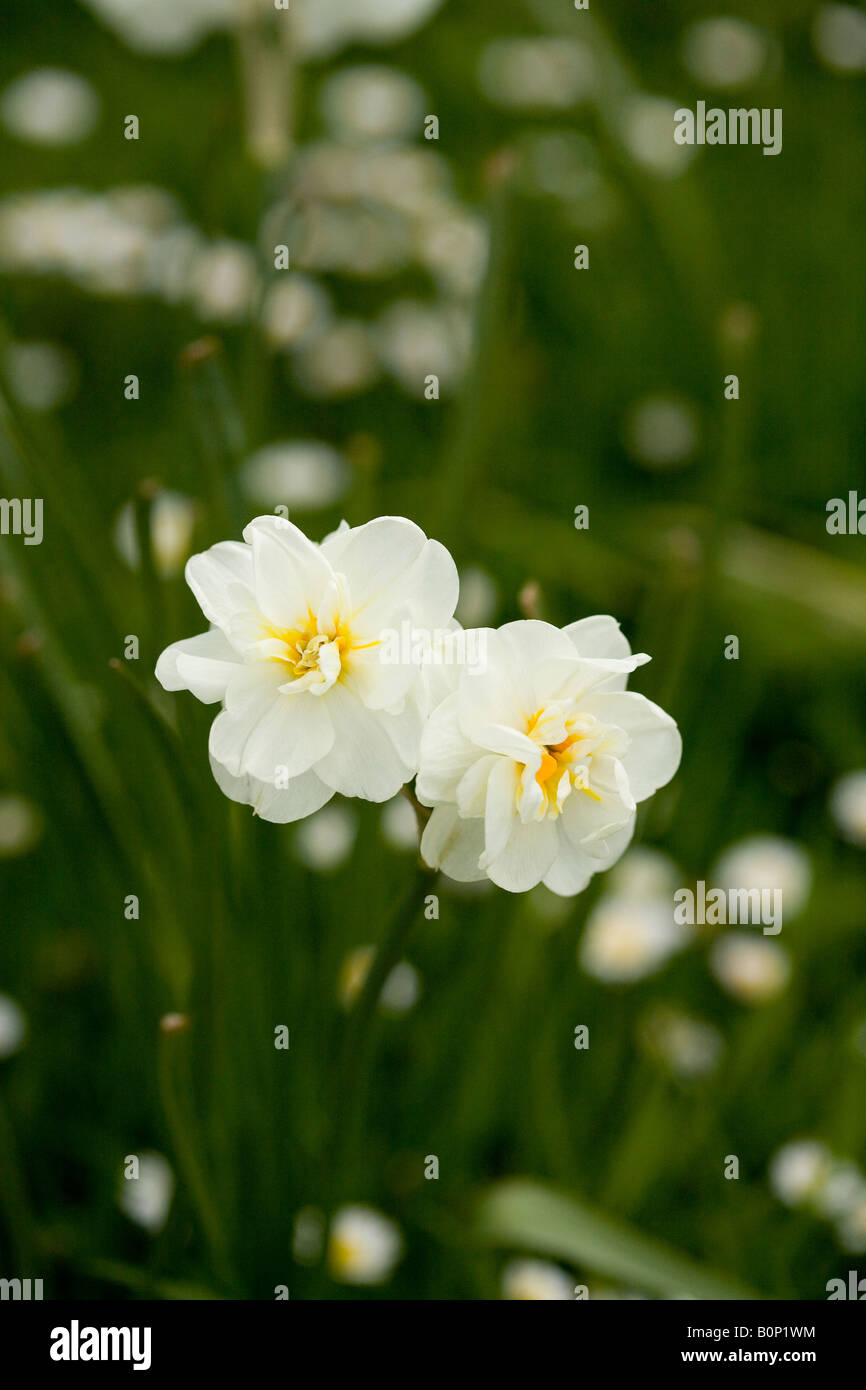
848,806
454,247
750,968
225,282
341,361
662,431
479,597
364,1246
301,473
644,872
648,136
146,1199
164,26
842,1189
49,106
767,862
535,763
416,340
295,656
21,825
839,36
724,52
532,1280
401,989
400,824
372,103
628,938
368,240
172,522
41,376
325,840
689,1046
851,1226
537,72
798,1170
294,310
13,1026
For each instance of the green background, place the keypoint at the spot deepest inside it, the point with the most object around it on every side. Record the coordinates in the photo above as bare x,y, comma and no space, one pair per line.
234,930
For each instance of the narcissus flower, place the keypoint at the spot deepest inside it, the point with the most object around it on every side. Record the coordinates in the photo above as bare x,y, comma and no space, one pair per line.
535,763
364,1246
296,655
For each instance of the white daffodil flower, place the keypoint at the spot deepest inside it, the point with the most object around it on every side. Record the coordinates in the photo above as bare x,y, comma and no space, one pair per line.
535,762
314,699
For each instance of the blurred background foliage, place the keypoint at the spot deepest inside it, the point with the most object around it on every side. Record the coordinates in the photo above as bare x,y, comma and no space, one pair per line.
559,388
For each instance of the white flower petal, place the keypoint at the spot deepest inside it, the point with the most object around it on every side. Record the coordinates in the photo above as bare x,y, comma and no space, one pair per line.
655,747
588,821
203,665
374,557
446,754
599,636
222,580
527,857
453,845
364,761
571,870
293,735
500,807
285,592
303,795
427,589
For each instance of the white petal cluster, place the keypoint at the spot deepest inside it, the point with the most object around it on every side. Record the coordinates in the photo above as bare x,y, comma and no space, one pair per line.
528,749
535,762
296,658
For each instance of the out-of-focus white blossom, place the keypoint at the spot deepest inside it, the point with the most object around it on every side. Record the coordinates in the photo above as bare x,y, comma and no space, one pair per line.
21,825
628,938
400,824
325,840
13,1026
648,135
340,361
146,1199
767,862
372,103
848,806
172,523
304,473
724,52
798,1170
750,968
225,282
363,1247
541,73
49,106
294,310
532,1280
418,340
41,376
662,431
839,36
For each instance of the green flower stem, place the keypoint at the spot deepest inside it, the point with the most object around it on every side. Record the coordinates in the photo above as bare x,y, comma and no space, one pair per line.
174,1093
357,1056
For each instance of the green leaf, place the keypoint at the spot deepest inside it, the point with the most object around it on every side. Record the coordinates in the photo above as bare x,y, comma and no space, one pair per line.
519,1213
